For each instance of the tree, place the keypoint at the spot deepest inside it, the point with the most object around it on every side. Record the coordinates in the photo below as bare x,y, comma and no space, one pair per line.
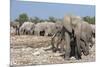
52,19
89,19
22,18
31,20
36,20
41,20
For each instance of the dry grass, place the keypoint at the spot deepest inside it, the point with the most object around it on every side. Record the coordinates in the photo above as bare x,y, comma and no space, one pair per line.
30,50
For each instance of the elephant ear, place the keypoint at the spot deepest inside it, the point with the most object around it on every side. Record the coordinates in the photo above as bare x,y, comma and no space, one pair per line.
67,23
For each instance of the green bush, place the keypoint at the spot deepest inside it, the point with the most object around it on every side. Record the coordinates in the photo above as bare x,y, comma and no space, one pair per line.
89,19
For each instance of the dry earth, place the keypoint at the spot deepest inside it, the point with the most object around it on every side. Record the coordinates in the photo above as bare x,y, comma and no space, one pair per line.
30,50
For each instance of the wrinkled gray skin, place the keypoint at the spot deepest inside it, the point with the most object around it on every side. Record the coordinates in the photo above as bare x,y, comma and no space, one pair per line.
45,29
76,33
93,35
56,40
39,27
82,33
27,28
93,28
59,41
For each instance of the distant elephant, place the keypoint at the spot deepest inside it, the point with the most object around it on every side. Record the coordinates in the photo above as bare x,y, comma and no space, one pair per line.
45,29
27,28
12,31
15,25
50,29
40,29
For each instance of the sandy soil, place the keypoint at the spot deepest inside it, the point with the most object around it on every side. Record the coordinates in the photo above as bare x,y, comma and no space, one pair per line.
30,50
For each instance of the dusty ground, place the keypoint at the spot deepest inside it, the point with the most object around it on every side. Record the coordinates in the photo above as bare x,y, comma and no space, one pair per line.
30,50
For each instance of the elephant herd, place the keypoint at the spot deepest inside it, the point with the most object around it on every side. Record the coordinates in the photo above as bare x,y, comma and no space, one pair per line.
39,29
71,36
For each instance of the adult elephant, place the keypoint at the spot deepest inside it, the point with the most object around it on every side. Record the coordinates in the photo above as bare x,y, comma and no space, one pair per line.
40,29
76,33
16,26
27,28
81,31
45,29
12,31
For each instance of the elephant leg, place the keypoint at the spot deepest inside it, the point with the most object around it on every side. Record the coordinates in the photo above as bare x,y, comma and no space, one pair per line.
31,32
72,53
77,55
67,46
84,48
87,48
18,32
61,49
24,32
77,49
55,40
86,43
38,33
28,32
91,41
53,45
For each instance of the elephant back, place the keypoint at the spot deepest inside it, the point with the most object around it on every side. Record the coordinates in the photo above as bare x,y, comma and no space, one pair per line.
28,25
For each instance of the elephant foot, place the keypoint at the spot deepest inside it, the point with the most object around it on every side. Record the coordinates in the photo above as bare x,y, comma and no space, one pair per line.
86,53
61,50
54,50
78,57
66,58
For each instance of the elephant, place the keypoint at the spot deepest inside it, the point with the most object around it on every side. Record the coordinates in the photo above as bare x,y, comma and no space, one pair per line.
40,29
59,41
76,33
93,35
45,29
12,31
81,31
56,40
15,25
27,28
63,41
